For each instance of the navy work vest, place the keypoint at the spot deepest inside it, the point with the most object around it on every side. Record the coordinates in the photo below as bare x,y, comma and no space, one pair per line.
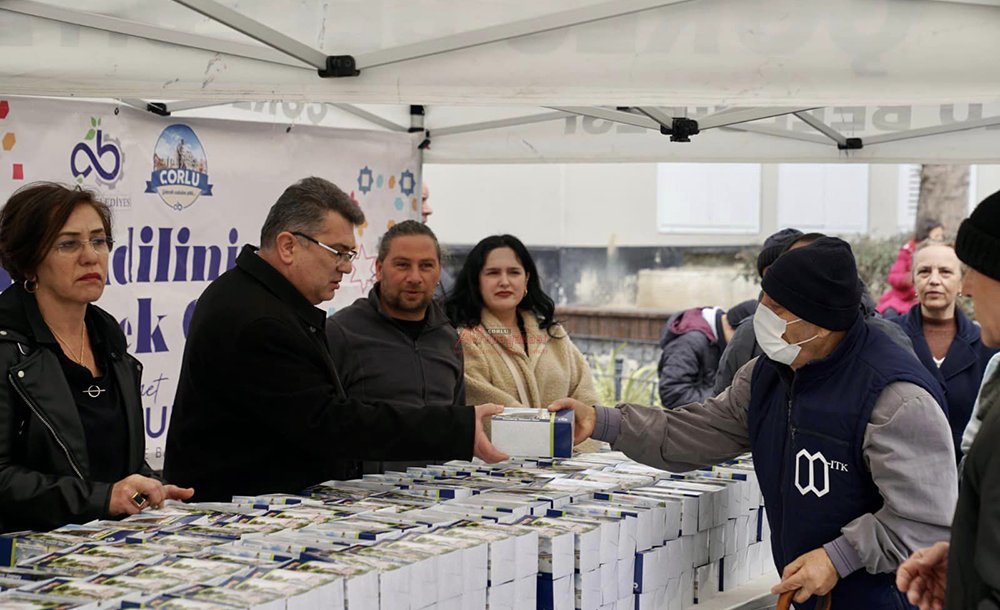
807,436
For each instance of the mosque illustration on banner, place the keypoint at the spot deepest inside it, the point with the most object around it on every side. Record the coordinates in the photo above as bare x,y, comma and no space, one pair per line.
180,168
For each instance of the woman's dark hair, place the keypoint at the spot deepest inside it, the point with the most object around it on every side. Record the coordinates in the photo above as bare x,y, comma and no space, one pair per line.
31,220
464,305
924,228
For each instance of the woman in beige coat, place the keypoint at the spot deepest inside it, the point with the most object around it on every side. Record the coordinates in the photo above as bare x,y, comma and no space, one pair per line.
515,353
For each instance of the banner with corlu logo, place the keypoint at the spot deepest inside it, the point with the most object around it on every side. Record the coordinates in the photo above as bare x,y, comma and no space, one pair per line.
186,194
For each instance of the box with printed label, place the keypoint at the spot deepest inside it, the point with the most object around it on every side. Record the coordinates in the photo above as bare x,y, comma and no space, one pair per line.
533,432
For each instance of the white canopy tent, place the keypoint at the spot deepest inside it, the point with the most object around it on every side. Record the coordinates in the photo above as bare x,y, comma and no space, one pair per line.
547,80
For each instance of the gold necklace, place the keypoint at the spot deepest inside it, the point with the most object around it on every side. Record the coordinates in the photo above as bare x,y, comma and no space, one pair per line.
78,359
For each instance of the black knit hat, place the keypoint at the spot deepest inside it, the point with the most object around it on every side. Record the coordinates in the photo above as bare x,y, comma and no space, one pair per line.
978,243
774,246
739,312
818,283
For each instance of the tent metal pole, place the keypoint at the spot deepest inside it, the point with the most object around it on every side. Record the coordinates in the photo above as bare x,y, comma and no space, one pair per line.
370,117
506,31
194,105
780,133
657,115
734,116
499,124
148,32
823,128
258,31
932,131
608,114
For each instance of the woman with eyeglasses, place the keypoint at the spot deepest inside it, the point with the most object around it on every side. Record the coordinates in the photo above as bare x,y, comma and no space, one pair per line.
72,438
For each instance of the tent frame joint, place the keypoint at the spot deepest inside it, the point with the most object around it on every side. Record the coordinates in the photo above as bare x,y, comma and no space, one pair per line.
680,129
157,108
339,66
851,144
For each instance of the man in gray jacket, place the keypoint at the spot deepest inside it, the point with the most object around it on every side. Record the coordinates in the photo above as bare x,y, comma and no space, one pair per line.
827,390
396,345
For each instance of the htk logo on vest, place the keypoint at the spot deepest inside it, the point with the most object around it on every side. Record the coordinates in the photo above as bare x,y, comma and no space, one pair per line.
808,466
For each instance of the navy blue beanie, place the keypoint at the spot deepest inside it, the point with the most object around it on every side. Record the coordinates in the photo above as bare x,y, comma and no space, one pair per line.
774,245
818,283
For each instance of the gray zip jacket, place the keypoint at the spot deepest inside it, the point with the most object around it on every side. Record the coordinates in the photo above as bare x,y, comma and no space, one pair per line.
907,447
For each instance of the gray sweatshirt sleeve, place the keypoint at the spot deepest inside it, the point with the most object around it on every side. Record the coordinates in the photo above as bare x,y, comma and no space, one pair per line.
910,453
685,438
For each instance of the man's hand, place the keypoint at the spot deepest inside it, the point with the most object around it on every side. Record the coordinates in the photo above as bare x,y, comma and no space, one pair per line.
584,417
924,577
810,574
133,494
482,448
172,492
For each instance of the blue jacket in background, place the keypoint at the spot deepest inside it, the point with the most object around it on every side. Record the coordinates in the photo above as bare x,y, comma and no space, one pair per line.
962,371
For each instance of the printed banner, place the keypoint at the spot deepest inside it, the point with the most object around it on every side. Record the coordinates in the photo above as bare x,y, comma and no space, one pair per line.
186,194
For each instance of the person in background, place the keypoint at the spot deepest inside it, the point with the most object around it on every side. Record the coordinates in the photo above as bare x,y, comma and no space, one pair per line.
947,343
515,352
964,574
900,296
742,348
692,343
72,439
446,281
850,443
396,346
260,407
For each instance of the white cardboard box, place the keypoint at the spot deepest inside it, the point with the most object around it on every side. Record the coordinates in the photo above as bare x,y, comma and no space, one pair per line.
533,432
556,594
587,590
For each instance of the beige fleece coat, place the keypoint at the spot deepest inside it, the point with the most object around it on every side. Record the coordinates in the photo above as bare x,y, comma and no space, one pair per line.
553,367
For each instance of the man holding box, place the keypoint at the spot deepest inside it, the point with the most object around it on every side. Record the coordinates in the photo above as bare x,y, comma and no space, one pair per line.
259,406
851,446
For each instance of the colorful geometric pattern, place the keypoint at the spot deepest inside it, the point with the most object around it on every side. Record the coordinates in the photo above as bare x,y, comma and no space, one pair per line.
8,141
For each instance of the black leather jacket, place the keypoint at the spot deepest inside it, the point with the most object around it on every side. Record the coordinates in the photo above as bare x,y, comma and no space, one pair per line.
44,471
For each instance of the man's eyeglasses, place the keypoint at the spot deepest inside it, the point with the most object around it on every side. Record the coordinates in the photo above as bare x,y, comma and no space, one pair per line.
342,257
69,247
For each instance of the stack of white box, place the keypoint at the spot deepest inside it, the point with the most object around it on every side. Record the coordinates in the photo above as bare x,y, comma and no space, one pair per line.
596,532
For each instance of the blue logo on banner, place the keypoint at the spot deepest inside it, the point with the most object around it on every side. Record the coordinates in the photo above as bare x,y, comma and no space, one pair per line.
180,168
98,154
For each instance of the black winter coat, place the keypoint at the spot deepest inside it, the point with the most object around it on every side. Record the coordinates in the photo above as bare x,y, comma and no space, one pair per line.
260,407
962,371
688,364
44,472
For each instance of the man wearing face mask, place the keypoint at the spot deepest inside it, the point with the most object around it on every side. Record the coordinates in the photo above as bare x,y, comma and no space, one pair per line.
851,446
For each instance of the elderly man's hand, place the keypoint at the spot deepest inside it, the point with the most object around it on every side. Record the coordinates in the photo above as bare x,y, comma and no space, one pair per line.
810,574
584,417
482,448
924,577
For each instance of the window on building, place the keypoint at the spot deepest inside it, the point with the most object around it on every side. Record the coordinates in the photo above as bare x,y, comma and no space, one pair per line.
708,198
828,198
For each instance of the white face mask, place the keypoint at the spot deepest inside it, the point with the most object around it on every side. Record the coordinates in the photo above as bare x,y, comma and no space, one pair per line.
769,329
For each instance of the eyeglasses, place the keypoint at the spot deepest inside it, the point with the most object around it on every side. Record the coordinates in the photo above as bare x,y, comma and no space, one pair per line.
69,247
342,257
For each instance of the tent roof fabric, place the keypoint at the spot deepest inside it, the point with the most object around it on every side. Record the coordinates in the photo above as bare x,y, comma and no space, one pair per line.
550,80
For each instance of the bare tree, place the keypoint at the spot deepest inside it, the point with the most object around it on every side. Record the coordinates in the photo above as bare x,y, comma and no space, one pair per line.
944,195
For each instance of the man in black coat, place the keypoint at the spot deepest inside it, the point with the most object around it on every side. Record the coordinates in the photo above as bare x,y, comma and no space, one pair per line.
260,407
965,574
